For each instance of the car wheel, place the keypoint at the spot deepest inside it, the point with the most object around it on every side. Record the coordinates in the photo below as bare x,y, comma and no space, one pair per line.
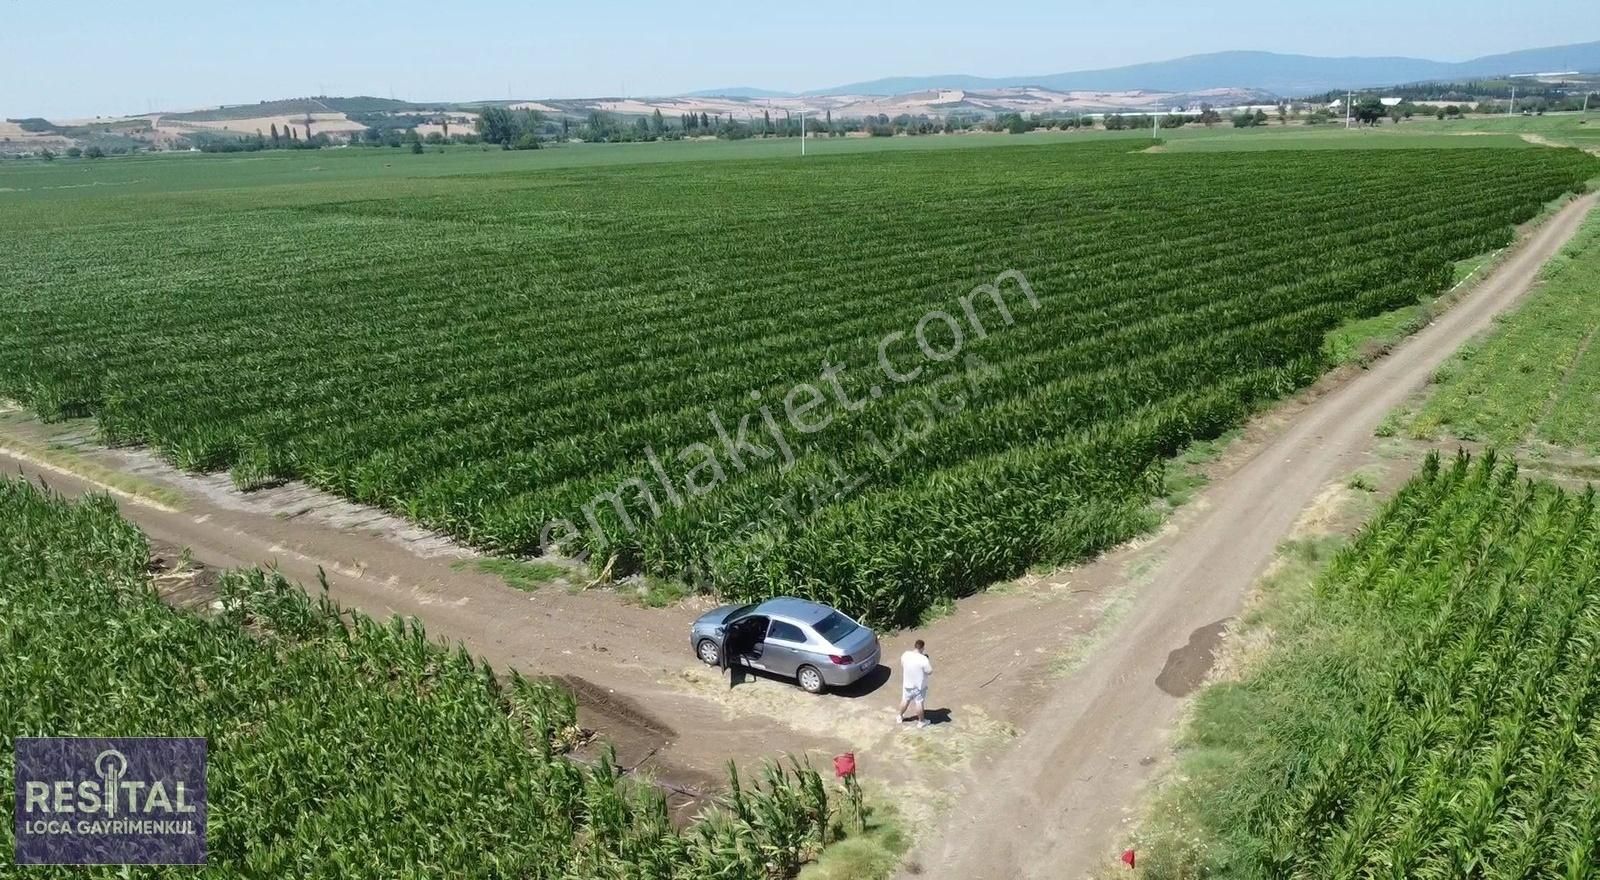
707,651
811,680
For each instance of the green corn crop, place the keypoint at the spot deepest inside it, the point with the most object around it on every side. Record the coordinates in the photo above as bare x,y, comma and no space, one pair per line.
340,746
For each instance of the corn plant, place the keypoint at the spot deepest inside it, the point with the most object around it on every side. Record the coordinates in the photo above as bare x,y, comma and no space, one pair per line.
1442,717
342,746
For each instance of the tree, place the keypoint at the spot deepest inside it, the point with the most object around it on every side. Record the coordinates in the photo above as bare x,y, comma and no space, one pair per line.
497,126
47,155
74,152
94,153
416,148
1369,110
658,125
1283,114
275,142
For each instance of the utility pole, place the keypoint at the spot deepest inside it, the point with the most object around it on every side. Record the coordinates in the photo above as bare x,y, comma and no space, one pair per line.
1349,99
1512,108
802,132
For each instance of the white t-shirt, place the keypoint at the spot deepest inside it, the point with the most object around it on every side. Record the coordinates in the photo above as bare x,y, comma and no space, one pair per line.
915,667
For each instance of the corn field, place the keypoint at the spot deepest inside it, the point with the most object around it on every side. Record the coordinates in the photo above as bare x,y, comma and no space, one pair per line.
341,746
1442,719
489,355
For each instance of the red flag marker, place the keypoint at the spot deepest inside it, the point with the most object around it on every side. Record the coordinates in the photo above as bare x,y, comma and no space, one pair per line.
844,765
1127,857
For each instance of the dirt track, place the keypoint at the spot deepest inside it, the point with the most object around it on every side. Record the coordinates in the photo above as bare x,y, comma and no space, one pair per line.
1053,806
613,655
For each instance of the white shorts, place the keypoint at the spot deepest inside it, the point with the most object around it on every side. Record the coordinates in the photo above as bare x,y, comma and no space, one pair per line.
915,694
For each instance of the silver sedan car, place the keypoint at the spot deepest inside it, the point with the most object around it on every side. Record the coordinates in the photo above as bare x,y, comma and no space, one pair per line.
815,645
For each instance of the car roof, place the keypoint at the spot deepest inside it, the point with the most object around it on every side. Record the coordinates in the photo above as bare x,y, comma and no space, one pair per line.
794,609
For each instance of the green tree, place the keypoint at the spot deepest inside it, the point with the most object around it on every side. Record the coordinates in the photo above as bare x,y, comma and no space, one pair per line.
275,142
497,125
1369,110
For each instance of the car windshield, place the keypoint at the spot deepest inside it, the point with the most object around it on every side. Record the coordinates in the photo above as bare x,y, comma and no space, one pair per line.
835,627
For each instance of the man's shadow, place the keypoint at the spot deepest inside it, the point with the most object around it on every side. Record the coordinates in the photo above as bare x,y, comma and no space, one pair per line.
937,716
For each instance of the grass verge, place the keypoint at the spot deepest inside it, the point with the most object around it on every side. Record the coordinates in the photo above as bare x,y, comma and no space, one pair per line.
65,461
526,576
872,854
1538,373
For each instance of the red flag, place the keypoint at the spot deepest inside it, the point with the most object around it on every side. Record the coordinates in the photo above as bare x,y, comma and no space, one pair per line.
1127,857
844,765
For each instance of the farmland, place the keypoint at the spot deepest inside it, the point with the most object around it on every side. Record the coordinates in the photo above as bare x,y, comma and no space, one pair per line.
553,358
1430,710
339,745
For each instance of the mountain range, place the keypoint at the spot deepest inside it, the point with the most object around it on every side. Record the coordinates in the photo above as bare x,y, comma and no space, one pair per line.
1280,74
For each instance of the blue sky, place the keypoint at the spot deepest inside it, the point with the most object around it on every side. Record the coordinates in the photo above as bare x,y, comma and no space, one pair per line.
68,58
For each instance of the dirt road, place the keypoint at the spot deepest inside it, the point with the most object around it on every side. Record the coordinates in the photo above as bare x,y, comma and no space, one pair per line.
614,655
1053,805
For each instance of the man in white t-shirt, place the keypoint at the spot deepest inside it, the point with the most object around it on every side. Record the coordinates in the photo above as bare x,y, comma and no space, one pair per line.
915,667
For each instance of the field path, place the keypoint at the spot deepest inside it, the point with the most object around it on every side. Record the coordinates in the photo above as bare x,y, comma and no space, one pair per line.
1053,805
637,681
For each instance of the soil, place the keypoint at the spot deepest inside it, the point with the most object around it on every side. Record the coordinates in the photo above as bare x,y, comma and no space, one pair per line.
1054,696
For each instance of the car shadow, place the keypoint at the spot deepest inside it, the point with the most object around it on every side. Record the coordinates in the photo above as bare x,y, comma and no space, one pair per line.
867,685
864,686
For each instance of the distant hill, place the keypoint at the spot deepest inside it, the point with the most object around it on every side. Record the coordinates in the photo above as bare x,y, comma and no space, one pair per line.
737,92
290,106
1287,75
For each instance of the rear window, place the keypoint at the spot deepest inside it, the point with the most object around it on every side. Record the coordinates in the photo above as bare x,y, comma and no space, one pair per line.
835,627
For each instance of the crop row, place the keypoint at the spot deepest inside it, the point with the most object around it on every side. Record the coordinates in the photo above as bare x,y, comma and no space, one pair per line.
544,362
1445,719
